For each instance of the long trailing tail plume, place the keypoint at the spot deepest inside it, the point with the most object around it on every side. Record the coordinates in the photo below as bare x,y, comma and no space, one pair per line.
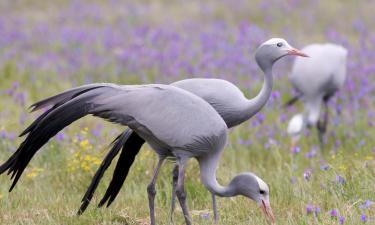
131,148
130,143
67,107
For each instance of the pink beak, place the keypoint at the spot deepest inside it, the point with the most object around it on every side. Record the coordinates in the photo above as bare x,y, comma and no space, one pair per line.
266,208
297,52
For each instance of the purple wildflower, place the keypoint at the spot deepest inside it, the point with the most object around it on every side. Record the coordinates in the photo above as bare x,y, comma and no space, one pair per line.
337,143
309,208
3,134
317,210
97,130
79,137
260,117
12,136
254,123
296,150
276,95
333,213
307,174
20,98
244,142
15,85
340,179
60,136
366,204
324,167
341,219
363,218
205,216
283,117
311,154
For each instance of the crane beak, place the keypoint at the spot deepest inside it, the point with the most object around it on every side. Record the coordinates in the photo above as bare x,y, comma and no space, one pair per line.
267,210
297,52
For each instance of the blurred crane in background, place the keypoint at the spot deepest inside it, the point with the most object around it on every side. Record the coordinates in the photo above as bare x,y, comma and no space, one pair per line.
316,80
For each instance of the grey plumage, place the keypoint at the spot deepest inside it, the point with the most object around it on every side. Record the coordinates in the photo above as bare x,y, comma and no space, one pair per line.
225,97
202,134
316,81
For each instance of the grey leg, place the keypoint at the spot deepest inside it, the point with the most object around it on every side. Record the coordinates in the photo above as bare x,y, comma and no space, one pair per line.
174,184
152,192
322,125
180,191
214,208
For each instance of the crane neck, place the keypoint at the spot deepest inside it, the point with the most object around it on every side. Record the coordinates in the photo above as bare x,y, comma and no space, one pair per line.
255,104
208,166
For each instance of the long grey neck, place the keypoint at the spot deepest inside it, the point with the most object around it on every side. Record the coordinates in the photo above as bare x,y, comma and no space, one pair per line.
208,166
255,104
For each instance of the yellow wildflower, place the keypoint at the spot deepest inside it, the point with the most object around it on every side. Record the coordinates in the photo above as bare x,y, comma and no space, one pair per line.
34,172
31,175
84,143
87,158
97,162
342,167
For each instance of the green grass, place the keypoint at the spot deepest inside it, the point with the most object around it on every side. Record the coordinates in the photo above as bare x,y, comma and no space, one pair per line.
52,196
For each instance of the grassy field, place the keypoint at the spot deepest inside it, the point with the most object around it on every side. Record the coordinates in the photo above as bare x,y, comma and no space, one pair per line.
47,47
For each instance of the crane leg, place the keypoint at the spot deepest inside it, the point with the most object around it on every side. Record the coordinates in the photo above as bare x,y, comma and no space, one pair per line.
214,208
152,191
322,125
180,191
174,184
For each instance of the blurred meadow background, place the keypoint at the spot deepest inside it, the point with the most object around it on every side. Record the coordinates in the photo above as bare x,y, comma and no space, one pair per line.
49,46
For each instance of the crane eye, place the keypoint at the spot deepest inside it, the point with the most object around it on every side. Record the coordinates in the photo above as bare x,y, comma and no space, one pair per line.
279,44
262,192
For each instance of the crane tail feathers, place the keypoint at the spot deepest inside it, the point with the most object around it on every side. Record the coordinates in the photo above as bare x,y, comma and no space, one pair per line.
46,126
130,149
117,144
63,97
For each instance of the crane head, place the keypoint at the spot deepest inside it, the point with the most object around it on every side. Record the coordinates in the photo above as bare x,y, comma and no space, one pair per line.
251,186
274,49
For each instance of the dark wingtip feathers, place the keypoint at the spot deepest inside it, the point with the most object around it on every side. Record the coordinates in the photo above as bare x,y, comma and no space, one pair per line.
116,146
130,149
64,111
